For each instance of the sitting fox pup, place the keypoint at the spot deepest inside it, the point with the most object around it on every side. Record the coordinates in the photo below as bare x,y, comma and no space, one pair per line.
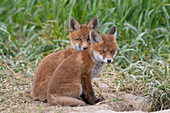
72,78
79,37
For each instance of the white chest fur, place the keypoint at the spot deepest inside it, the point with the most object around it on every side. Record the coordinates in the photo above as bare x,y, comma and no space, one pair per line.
97,69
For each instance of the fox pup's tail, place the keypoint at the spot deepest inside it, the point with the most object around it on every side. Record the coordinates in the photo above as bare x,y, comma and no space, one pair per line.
66,101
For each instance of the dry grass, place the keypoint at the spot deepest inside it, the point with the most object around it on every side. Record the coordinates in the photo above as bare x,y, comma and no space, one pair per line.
13,100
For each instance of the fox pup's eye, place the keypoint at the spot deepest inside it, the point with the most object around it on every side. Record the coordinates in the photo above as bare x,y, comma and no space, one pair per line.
78,39
102,51
112,51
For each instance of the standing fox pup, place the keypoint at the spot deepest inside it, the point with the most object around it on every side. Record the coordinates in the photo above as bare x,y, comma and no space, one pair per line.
72,78
79,37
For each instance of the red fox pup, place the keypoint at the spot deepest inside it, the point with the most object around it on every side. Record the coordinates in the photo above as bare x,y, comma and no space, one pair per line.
72,78
79,37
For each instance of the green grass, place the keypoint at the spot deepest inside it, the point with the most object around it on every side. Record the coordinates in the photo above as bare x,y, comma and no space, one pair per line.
30,30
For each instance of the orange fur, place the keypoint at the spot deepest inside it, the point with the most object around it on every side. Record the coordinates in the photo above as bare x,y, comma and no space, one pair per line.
72,78
79,37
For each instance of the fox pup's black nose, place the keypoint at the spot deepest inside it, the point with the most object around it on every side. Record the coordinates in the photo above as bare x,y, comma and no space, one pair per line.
84,48
108,61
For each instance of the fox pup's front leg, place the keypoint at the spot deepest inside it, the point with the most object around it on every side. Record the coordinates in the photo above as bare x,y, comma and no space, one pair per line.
88,94
84,98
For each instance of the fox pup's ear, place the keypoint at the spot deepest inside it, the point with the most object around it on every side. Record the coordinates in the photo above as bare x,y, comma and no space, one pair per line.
73,25
93,24
95,37
113,31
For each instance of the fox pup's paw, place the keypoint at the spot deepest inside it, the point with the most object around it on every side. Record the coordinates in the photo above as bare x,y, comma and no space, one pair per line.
27,94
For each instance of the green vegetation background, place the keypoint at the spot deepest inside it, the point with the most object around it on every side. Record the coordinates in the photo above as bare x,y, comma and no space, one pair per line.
32,29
